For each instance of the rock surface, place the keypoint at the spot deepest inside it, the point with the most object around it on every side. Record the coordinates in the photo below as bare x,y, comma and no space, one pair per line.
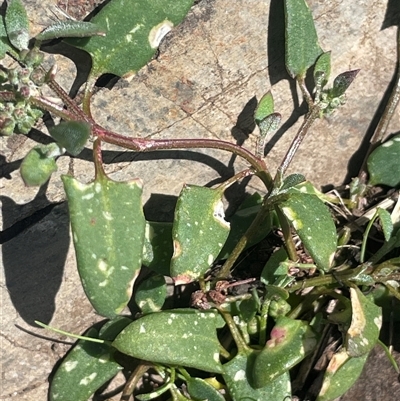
202,84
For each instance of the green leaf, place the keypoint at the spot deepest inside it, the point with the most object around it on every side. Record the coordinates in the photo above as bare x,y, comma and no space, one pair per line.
340,375
386,223
39,164
238,378
199,232
342,82
322,69
291,341
199,390
158,248
85,369
134,30
241,221
113,327
151,294
108,228
314,225
291,181
71,135
366,322
17,24
383,163
5,44
274,269
264,108
69,29
301,40
183,337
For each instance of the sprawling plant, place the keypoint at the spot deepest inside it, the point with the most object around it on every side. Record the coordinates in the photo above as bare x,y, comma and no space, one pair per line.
238,338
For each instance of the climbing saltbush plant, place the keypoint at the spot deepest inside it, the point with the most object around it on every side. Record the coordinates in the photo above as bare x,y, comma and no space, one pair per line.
252,338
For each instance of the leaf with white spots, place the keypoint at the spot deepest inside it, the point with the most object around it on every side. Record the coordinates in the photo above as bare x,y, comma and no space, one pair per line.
366,322
239,381
290,342
183,337
340,375
383,163
157,248
151,293
313,223
108,229
134,29
199,232
85,369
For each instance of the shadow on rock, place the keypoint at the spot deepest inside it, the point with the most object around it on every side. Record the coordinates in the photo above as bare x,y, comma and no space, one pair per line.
34,259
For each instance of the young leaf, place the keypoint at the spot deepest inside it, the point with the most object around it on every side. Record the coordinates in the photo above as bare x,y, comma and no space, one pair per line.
71,135
264,108
86,368
199,232
70,29
39,164
342,82
134,30
108,228
386,223
314,225
151,293
158,249
274,269
291,341
17,24
238,378
301,40
322,69
199,390
183,337
340,375
366,322
383,163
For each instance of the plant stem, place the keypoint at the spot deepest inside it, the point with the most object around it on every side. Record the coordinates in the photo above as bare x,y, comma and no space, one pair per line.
287,235
310,118
98,160
133,380
239,341
149,145
46,104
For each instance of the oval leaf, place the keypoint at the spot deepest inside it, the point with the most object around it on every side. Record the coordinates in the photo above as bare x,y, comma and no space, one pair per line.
291,341
85,369
39,164
108,228
386,223
183,337
199,232
322,69
17,24
134,30
314,225
265,107
157,248
341,373
69,29
301,40
71,135
366,322
238,378
150,295
383,163
199,390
